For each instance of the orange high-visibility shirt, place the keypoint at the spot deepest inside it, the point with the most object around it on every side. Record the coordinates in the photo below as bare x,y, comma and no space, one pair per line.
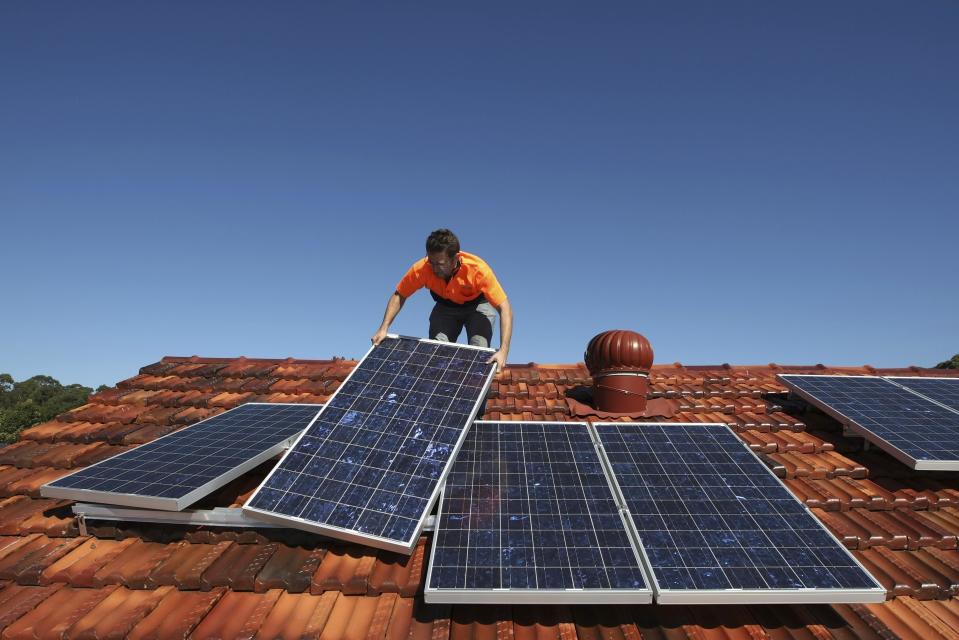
473,279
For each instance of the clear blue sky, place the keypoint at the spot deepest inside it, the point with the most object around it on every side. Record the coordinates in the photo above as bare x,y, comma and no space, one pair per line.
741,182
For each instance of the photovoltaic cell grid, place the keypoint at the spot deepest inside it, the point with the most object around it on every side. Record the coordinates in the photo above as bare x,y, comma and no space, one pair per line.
909,427
717,526
528,516
943,390
369,467
176,470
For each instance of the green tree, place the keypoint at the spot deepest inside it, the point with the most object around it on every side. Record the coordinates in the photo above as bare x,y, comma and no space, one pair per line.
30,402
949,364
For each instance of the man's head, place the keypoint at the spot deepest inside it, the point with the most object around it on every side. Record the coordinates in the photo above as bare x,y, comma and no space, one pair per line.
442,246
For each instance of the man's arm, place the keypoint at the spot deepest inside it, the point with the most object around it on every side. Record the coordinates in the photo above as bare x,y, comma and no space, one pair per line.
505,334
392,308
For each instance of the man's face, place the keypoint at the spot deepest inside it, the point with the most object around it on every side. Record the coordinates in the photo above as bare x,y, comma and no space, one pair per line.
442,264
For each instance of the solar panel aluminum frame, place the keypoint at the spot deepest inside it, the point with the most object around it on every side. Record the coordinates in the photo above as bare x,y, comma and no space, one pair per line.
548,596
173,504
871,436
215,517
353,536
743,596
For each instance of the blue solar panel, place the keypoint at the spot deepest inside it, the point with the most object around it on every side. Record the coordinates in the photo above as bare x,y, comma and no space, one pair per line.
942,390
176,470
717,526
369,467
528,516
920,433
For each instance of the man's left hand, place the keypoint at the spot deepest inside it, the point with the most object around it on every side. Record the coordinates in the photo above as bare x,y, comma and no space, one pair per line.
500,359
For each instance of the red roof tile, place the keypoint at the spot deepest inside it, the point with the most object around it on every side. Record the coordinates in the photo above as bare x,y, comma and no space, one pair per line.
176,615
156,581
54,616
117,614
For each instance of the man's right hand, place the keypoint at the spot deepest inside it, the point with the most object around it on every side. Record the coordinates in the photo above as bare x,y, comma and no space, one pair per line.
378,337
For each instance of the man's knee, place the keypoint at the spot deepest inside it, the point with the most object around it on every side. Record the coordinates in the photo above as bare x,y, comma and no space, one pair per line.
479,341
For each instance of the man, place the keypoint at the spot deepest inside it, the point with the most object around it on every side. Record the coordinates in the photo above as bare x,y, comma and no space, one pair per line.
466,292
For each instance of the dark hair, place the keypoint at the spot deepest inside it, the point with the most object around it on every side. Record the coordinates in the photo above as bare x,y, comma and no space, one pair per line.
443,240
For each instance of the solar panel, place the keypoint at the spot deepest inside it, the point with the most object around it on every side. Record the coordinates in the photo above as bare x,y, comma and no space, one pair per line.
942,390
912,429
369,468
178,469
717,526
528,516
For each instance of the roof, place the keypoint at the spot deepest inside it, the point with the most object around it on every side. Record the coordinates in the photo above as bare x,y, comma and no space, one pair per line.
163,581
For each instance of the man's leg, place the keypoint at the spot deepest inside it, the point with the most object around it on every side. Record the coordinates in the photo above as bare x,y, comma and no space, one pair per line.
445,323
479,325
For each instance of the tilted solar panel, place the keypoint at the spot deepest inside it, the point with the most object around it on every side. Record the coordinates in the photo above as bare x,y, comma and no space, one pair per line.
942,390
912,429
178,469
718,527
528,516
369,468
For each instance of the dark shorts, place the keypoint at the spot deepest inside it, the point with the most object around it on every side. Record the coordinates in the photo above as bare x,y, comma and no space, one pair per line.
447,321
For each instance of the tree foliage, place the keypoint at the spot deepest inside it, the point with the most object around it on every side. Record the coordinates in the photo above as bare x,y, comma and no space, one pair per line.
949,364
30,402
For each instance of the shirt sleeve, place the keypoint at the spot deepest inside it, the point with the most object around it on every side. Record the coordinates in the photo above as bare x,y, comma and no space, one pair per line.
492,289
412,281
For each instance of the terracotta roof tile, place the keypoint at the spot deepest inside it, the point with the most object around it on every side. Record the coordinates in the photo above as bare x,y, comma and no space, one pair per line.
905,523
900,529
157,368
228,400
398,573
108,396
842,494
133,565
176,615
17,600
827,464
95,412
293,398
784,442
78,567
301,385
237,615
946,611
9,544
30,484
185,566
289,568
256,385
57,431
157,415
238,566
428,621
54,616
148,433
809,622
912,573
345,569
20,453
117,614
360,617
195,369
298,615
905,618
29,561
10,475
21,514
69,456
246,368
